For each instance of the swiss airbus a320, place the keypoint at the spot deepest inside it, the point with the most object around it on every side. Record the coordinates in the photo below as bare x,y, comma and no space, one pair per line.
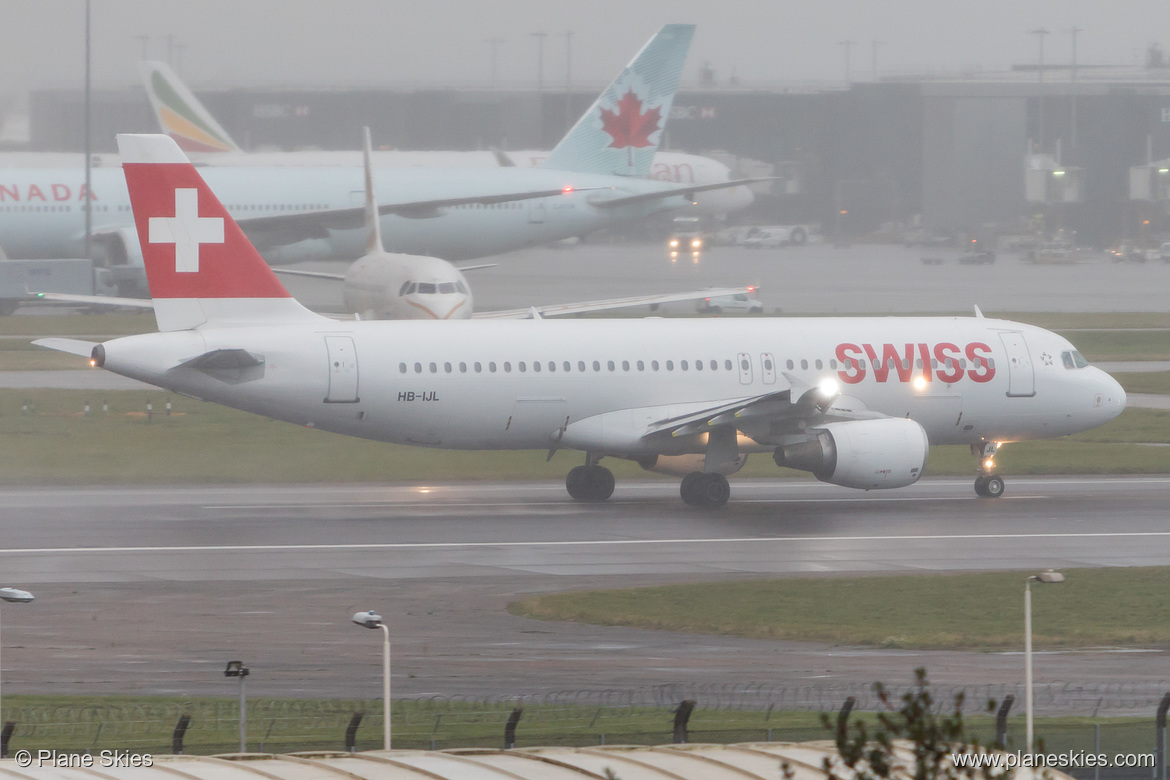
855,401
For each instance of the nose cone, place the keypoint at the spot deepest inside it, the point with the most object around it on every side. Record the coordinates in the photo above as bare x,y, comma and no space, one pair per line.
1112,396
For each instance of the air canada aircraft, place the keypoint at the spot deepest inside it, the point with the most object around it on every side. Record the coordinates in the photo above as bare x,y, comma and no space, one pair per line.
855,401
383,285
195,129
594,178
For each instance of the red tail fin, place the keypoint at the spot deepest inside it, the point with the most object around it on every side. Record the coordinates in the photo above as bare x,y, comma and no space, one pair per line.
192,248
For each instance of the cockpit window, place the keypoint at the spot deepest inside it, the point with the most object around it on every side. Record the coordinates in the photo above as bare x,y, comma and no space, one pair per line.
405,289
426,288
447,288
461,287
1073,359
410,290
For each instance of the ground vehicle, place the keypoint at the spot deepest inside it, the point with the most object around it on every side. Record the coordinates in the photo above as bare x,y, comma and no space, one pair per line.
717,304
776,236
686,235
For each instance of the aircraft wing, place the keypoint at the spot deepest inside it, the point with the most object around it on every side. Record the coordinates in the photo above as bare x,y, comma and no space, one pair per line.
309,274
317,224
602,202
584,307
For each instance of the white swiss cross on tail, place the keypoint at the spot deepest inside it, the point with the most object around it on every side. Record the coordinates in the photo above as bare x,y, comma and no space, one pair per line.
200,266
186,230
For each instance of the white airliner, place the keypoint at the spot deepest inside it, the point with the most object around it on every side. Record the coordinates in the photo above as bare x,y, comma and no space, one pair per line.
592,179
855,401
183,117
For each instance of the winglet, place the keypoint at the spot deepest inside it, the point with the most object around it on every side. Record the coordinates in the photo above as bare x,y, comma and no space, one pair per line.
180,114
199,265
621,131
978,312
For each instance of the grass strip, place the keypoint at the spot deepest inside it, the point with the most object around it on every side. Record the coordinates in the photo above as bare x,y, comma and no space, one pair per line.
1093,608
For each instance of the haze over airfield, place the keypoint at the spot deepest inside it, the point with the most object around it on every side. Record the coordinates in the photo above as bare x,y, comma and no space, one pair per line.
299,43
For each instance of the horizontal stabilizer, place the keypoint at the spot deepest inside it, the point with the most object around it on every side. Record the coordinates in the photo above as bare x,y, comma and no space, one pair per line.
96,300
310,274
72,346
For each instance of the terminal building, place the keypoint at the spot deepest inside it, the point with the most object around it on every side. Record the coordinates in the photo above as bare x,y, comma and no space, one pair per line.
1058,149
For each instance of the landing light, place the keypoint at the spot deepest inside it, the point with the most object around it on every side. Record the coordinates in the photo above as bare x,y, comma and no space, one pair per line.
92,363
1164,170
989,464
919,383
828,387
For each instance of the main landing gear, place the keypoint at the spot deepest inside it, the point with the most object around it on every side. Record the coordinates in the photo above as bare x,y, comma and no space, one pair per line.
704,489
988,484
589,482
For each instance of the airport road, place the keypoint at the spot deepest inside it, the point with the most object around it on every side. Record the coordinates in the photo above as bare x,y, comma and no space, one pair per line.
815,279
153,589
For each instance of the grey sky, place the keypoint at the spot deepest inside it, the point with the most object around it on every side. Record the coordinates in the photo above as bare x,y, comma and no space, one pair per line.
360,42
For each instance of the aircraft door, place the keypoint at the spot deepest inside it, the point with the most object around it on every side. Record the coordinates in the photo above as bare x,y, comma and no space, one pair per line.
1021,376
536,420
768,368
343,370
745,368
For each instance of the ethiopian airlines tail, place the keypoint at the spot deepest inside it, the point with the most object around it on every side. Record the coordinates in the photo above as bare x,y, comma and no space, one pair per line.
621,131
180,114
200,267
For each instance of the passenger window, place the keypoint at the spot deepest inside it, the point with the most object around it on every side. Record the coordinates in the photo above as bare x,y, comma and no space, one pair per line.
726,365
682,364
402,368
507,367
521,365
625,365
820,365
767,364
610,365
418,368
791,365
596,365
552,366
434,368
535,366
670,365
581,365
492,367
804,364
745,365
462,368
447,367
714,365
654,365
478,367
641,366
567,366
698,365
832,364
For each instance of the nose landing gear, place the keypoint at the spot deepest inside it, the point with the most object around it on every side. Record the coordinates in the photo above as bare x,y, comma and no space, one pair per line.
988,484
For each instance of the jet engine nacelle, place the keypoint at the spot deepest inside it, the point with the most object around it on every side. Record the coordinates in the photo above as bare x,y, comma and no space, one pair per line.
681,465
865,454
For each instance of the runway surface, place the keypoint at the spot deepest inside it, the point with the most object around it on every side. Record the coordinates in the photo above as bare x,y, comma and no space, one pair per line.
153,589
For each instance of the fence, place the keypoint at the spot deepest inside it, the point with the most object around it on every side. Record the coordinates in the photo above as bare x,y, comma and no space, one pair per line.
1107,718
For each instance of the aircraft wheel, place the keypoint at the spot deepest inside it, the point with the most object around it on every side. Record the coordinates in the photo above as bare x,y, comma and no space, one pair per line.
687,488
981,485
993,487
575,482
713,491
596,483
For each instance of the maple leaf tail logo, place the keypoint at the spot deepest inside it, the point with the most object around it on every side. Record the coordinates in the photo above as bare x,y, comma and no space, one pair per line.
630,127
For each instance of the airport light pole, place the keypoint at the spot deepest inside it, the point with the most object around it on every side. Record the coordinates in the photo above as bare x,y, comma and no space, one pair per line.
495,44
238,670
539,36
1040,32
14,596
1047,576
568,80
848,46
373,620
